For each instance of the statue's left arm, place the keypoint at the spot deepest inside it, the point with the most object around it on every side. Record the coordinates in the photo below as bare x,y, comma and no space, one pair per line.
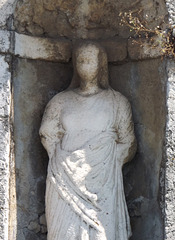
126,144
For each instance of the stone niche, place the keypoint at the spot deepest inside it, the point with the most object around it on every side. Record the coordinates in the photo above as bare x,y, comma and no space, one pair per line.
142,81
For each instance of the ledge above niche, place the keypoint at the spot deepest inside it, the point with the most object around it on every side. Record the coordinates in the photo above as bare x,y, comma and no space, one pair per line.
57,50
42,48
60,50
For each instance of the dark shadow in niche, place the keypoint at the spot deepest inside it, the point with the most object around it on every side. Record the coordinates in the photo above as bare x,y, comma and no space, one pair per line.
35,83
144,84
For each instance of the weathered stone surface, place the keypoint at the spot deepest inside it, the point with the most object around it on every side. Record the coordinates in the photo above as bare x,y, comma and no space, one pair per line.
4,41
34,226
170,154
42,48
42,220
144,49
4,146
171,7
6,10
82,18
154,13
144,83
43,229
170,140
116,49
4,88
34,84
60,51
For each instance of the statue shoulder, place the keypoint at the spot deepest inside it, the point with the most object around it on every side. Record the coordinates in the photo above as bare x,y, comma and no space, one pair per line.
120,98
58,99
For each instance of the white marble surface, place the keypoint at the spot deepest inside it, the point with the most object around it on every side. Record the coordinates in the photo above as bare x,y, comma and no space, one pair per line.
88,134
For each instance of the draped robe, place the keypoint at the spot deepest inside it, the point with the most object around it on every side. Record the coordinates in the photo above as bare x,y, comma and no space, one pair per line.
88,139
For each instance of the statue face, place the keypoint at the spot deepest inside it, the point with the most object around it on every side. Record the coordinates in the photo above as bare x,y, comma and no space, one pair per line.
87,62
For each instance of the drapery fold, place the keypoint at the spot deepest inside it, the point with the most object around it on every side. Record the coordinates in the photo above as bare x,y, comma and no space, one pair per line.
88,140
96,160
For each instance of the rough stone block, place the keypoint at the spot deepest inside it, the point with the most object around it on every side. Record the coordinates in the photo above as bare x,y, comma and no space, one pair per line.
42,48
83,19
4,88
4,146
4,41
142,49
170,4
6,9
60,51
170,148
116,49
4,176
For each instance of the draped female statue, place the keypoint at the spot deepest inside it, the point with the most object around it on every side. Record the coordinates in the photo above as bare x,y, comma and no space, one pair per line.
88,134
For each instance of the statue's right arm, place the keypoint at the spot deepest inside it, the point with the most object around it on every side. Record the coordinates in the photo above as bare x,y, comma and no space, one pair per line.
51,131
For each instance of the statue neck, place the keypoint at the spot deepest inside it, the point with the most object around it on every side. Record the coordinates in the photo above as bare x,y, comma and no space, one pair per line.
89,88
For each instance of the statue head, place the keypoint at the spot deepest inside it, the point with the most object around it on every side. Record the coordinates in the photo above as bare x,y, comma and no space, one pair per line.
90,61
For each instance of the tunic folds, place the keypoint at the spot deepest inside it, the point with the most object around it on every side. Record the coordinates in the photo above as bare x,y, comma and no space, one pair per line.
88,139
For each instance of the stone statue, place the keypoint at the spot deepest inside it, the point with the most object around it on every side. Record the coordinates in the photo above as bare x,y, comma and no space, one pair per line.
88,134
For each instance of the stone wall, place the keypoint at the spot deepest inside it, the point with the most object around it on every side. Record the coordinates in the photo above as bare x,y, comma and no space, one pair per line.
4,146
6,10
170,140
74,19
170,155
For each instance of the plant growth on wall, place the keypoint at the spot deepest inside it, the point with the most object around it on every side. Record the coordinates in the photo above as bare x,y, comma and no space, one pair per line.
164,38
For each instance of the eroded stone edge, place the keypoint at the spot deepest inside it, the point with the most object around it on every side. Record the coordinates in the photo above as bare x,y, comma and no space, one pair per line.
5,102
170,139
170,154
